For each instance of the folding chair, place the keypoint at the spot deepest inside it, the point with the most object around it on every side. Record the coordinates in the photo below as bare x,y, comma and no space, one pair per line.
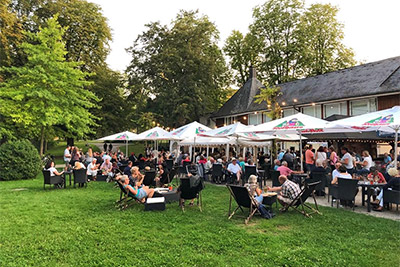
126,198
300,200
189,192
243,199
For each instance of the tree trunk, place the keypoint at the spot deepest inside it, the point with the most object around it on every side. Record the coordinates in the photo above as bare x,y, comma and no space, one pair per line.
41,141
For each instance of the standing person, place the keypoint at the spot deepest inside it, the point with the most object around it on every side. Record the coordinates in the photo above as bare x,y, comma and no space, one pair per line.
347,160
105,147
333,158
309,158
281,154
320,154
67,156
289,158
89,156
110,147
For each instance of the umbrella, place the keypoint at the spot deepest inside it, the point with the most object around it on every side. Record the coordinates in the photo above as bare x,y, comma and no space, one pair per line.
295,124
155,134
123,136
387,120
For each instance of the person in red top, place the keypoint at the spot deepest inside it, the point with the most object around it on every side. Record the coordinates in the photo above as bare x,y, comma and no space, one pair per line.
376,176
202,160
309,158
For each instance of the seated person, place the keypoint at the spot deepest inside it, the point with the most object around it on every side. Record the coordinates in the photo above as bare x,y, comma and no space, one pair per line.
254,190
79,165
277,163
284,170
393,184
376,177
127,170
136,178
92,169
288,191
234,170
53,171
107,169
139,193
342,174
319,169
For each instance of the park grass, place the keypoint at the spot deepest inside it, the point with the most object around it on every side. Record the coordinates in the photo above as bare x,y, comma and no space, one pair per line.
81,227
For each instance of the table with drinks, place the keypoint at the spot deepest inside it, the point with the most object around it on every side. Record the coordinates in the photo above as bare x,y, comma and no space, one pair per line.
366,188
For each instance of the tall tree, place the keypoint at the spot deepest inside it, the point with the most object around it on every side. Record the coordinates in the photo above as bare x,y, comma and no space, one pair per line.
287,42
322,39
48,91
180,67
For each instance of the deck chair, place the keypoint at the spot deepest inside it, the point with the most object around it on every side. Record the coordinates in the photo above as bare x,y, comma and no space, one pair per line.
126,198
244,200
149,178
188,191
299,203
52,180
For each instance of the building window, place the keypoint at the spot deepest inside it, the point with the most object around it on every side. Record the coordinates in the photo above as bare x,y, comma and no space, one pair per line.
335,108
359,107
288,112
253,119
266,118
314,111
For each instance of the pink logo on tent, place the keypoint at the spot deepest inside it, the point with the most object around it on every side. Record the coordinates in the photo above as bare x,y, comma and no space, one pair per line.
380,121
223,132
292,124
153,134
179,131
121,137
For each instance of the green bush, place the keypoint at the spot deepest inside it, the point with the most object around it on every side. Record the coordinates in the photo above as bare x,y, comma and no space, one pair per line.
19,160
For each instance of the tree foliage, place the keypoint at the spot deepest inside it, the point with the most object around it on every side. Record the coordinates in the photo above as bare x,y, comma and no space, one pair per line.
179,68
287,41
47,91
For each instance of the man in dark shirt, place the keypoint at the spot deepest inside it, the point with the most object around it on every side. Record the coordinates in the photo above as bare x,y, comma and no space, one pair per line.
127,170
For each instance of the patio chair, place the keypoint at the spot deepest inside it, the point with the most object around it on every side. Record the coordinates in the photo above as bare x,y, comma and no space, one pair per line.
275,178
52,180
149,178
243,199
299,203
346,190
80,177
170,163
318,176
249,170
190,188
392,197
216,173
126,198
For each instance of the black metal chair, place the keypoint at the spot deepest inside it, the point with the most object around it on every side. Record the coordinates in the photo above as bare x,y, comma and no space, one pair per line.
80,177
275,178
244,200
318,176
249,170
149,178
217,173
52,180
190,190
346,190
300,200
392,197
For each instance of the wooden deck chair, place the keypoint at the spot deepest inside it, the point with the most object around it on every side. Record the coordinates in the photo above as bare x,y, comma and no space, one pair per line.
244,200
299,203
126,198
188,193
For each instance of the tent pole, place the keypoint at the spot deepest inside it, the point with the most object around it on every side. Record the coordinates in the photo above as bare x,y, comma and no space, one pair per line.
126,144
227,152
244,153
396,140
301,152
207,151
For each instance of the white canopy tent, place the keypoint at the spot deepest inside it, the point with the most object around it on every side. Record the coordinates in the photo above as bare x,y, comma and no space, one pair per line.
295,124
123,136
387,120
155,134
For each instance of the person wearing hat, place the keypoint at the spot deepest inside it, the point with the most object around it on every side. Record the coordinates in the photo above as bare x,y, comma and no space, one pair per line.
235,171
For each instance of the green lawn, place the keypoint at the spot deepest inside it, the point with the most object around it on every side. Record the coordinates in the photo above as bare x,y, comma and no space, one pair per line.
70,227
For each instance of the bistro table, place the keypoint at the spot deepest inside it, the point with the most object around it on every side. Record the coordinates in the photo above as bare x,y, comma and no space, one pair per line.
366,190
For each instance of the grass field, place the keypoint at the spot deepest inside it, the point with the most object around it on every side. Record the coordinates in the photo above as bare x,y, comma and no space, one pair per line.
81,227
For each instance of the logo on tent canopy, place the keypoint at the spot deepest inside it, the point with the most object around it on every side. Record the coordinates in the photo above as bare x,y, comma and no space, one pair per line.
121,137
223,132
292,124
179,131
152,134
200,130
380,121
251,135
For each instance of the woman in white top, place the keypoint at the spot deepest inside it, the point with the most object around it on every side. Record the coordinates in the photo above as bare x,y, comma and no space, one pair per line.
53,171
320,154
342,174
366,163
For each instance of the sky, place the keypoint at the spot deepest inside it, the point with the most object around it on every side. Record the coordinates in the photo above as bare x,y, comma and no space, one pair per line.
371,27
